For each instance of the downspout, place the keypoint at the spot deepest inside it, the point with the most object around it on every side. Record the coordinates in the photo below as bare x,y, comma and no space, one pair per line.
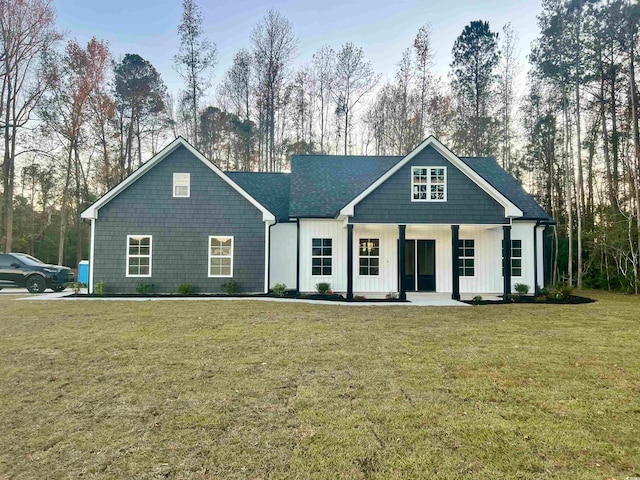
535,258
298,255
268,266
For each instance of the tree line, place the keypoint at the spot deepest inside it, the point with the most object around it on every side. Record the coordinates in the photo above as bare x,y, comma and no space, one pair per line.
76,121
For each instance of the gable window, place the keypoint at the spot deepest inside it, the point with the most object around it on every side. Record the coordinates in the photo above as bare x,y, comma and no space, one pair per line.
181,185
429,184
139,255
321,256
221,256
466,255
369,256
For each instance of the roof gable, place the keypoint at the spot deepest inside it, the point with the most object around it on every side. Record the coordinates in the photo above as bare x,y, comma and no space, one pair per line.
92,211
511,210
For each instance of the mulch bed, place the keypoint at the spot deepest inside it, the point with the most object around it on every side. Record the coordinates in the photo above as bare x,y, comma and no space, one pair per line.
334,297
572,300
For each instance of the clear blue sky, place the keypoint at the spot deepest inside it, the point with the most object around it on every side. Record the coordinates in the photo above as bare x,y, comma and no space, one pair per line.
384,28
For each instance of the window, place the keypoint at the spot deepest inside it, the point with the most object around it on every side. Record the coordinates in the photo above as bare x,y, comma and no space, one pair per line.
321,256
516,259
138,256
466,254
429,184
181,185
220,256
369,256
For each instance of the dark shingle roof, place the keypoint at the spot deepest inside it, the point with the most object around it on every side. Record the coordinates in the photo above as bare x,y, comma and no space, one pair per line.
488,168
322,184
270,189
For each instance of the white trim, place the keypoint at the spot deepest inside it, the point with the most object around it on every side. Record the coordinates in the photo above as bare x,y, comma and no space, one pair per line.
92,211
150,237
177,175
91,253
428,200
209,256
511,210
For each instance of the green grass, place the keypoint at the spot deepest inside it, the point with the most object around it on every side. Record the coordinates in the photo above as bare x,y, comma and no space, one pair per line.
241,389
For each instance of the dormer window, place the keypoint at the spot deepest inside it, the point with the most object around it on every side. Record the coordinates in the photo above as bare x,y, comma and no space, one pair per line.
181,185
429,184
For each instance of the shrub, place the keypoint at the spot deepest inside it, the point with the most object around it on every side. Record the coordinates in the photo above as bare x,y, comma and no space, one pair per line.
279,289
359,298
565,291
391,295
144,288
521,288
323,288
76,286
185,289
99,288
476,300
230,287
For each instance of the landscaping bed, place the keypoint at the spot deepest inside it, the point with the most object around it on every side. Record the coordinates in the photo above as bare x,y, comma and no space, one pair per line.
571,300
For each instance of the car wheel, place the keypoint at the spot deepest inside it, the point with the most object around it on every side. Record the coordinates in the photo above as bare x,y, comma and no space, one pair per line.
58,288
36,284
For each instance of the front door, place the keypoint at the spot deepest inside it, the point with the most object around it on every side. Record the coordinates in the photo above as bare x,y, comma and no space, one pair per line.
420,266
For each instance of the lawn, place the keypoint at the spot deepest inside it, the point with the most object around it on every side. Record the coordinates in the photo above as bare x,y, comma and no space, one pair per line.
242,389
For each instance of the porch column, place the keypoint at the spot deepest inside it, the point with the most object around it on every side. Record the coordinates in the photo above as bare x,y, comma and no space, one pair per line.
401,261
455,262
349,262
506,261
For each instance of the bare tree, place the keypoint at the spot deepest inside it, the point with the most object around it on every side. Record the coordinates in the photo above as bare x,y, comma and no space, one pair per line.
508,69
323,71
195,60
424,62
354,79
274,46
27,32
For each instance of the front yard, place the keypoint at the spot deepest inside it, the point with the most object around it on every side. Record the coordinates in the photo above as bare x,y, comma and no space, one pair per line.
245,389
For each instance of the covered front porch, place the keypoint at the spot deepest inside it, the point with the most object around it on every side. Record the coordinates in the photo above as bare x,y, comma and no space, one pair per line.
452,261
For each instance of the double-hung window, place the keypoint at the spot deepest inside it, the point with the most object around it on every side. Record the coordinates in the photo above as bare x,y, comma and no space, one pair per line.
466,258
221,257
322,257
369,256
139,255
181,185
429,184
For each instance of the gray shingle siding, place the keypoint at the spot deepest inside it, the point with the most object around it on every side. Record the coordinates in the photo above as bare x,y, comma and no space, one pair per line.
180,228
466,201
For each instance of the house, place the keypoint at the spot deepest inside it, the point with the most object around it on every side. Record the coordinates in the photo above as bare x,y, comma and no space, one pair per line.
429,221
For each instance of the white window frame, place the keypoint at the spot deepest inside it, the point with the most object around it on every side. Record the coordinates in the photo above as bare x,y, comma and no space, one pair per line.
428,183
461,257
129,275
322,256
176,177
368,257
209,256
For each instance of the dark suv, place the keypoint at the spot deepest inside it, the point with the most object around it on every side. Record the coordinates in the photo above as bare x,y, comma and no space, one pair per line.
22,270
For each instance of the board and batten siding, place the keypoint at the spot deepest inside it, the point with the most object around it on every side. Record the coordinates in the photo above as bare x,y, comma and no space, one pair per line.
283,258
321,228
180,228
387,279
466,203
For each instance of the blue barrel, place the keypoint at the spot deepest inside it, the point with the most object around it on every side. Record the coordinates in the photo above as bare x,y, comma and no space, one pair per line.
83,272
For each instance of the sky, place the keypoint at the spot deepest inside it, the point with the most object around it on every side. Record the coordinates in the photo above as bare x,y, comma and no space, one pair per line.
383,28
